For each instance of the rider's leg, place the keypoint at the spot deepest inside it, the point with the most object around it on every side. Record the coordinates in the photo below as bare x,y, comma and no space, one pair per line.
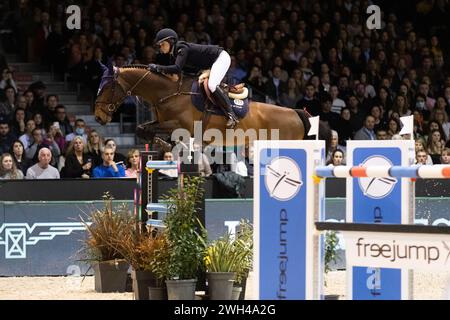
218,71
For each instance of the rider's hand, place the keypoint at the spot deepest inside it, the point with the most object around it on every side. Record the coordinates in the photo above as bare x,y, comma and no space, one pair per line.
153,67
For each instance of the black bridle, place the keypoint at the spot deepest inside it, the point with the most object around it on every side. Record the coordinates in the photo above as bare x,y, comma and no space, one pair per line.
111,106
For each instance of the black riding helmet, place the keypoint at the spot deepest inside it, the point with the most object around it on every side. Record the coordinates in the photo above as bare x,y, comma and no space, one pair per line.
166,34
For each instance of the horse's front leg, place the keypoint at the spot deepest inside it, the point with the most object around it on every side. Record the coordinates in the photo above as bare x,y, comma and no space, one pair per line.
148,130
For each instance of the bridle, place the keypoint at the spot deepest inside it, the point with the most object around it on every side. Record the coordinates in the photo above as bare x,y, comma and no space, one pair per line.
111,106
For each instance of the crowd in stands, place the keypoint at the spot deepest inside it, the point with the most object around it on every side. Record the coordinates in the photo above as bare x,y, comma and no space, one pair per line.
314,55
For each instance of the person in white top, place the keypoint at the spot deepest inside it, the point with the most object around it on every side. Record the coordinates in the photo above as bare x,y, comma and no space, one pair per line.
27,137
337,104
43,169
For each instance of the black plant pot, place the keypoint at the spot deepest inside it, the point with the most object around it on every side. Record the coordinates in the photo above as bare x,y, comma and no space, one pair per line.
110,276
142,280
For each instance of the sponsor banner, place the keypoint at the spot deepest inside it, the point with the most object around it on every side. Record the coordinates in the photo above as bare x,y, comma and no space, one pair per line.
285,251
397,250
378,200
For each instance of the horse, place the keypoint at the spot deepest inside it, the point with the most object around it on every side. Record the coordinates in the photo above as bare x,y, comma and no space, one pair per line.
171,100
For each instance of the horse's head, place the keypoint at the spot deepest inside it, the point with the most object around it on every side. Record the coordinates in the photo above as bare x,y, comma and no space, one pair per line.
109,96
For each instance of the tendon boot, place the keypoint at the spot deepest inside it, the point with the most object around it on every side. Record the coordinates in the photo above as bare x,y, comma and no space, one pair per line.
221,98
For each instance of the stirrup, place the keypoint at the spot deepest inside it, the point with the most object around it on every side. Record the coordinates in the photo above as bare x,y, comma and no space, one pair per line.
232,122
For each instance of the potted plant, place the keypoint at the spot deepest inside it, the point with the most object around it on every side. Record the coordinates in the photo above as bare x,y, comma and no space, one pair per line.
221,260
138,249
330,257
244,244
185,238
159,265
228,261
110,267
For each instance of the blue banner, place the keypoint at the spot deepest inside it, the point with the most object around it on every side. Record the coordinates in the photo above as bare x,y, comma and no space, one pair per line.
377,200
282,224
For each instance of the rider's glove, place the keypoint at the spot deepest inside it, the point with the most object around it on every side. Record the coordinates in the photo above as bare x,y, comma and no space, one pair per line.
153,67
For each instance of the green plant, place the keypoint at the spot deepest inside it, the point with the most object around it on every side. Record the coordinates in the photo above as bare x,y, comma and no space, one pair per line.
331,244
232,255
222,256
244,244
104,225
185,233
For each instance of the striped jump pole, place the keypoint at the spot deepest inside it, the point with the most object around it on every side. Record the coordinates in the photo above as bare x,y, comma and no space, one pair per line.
417,172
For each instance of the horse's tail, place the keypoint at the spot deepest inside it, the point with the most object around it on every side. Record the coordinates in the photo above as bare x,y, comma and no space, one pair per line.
324,128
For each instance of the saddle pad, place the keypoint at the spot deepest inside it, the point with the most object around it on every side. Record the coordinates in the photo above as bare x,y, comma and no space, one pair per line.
240,107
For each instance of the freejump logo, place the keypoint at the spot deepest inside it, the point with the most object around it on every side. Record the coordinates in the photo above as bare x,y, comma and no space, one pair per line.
17,236
283,178
377,188
398,251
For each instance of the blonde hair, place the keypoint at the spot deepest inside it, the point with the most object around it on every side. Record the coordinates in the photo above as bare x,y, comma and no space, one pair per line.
70,148
90,146
129,155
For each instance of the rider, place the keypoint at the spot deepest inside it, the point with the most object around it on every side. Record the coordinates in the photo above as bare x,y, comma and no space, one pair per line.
200,57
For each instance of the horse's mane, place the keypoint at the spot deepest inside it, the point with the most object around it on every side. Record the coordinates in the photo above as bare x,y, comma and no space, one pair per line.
135,66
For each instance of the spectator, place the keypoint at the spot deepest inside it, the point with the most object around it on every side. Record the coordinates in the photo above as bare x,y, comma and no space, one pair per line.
95,147
325,112
275,87
38,89
61,118
18,127
6,137
27,137
445,156
435,145
118,157
382,134
441,117
337,158
292,96
172,173
202,160
393,127
8,169
50,108
32,152
310,101
80,126
133,160
18,153
7,107
54,134
334,144
344,127
78,163
43,169
108,169
337,103
422,158
366,132
8,81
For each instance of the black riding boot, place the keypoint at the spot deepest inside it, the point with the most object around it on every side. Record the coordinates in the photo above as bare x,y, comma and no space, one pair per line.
221,98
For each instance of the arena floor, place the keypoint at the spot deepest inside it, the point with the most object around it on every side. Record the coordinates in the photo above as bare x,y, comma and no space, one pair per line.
427,286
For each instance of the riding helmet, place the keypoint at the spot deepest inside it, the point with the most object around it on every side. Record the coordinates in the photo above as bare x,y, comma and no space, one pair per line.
166,34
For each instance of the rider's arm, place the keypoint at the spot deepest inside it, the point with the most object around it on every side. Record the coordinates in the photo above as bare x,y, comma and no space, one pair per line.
179,63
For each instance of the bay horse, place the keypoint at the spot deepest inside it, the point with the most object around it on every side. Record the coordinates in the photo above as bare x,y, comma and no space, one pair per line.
172,102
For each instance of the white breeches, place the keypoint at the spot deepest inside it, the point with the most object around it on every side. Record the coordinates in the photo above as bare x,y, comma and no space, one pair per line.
218,70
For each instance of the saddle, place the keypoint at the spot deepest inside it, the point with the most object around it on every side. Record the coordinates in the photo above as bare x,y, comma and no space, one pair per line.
238,91
203,101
